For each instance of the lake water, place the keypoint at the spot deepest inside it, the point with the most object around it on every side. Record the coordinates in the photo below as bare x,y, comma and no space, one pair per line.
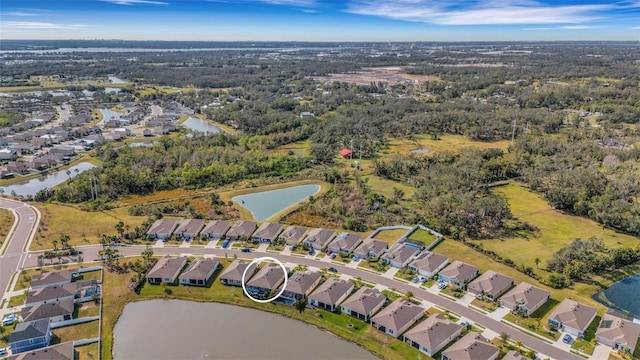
31,187
176,329
198,124
264,205
622,296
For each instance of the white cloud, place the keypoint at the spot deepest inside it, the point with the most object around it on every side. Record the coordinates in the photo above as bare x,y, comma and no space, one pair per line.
135,2
635,28
310,11
299,3
39,25
17,13
576,27
489,12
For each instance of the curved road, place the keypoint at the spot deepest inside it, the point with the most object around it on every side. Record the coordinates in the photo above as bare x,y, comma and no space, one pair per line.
23,230
27,218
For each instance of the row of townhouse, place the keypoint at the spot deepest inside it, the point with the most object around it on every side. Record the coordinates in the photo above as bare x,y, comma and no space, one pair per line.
50,299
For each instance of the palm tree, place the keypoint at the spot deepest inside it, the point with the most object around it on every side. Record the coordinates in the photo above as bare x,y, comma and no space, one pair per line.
519,345
64,241
69,175
147,254
504,337
120,229
408,295
55,245
80,260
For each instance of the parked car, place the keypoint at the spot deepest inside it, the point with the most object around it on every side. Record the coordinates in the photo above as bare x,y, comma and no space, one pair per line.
415,279
332,269
332,256
311,252
356,258
3,351
567,339
293,247
9,319
246,250
225,244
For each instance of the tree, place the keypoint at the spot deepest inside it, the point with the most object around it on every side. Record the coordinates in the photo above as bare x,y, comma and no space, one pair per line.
120,229
537,260
64,241
80,260
69,175
147,254
504,337
519,345
408,295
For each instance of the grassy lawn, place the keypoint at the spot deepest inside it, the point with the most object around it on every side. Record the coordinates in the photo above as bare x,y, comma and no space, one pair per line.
405,274
87,330
385,186
6,222
17,300
300,148
59,219
556,229
423,236
453,291
391,295
116,296
391,236
583,346
89,352
486,305
88,309
451,143
377,266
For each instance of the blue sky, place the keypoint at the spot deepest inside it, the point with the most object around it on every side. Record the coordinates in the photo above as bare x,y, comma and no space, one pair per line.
321,20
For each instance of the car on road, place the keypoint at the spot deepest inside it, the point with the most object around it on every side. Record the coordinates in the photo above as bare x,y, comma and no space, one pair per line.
332,269
567,339
9,319
246,250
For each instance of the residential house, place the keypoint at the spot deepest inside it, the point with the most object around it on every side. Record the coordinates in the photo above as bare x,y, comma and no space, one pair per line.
401,254
55,278
267,232
371,248
514,355
18,167
345,153
166,270
396,318
331,293
619,333
345,243
54,311
215,229
364,303
30,335
62,351
40,142
49,294
188,229
147,132
472,346
65,151
458,273
162,229
7,154
266,280
428,263
199,271
572,317
241,230
525,298
490,285
299,286
318,238
233,273
433,334
292,235
307,115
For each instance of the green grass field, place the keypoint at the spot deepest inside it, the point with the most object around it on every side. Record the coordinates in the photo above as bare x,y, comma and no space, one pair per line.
59,219
556,229
6,222
446,143
391,236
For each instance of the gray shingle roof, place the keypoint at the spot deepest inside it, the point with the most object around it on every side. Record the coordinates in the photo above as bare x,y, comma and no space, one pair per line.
190,227
234,271
269,277
491,282
460,271
268,230
320,236
433,331
364,301
398,315
301,282
472,346
167,267
29,330
293,234
200,268
242,228
429,261
163,226
43,311
526,295
47,278
218,227
573,314
332,290
63,351
50,293
619,330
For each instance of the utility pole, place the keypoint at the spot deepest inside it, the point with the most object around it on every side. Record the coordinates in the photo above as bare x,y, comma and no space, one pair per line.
351,148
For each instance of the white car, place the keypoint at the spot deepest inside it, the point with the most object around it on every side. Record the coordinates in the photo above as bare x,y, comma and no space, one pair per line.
9,319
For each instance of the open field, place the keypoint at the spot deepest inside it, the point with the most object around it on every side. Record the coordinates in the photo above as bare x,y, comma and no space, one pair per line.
388,74
557,229
58,219
300,148
385,187
451,143
117,295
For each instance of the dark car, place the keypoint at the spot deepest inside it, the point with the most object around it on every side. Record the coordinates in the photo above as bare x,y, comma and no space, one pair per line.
246,250
332,269
225,244
567,339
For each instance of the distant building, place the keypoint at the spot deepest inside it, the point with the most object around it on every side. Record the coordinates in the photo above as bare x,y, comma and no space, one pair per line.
371,248
188,229
162,229
401,254
345,153
241,230
293,234
267,232
428,263
318,238
307,115
490,285
345,243
215,230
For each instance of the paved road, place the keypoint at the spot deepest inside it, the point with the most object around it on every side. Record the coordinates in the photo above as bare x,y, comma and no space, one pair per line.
91,252
13,259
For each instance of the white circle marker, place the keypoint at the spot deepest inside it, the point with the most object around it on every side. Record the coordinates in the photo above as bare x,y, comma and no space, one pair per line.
256,261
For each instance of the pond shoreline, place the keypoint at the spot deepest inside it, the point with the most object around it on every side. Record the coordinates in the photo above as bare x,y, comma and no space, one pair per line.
259,213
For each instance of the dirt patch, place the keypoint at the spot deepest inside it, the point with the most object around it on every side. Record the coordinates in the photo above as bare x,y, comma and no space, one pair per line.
389,74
